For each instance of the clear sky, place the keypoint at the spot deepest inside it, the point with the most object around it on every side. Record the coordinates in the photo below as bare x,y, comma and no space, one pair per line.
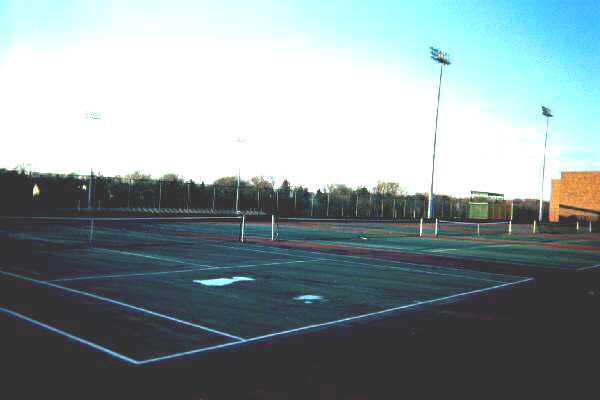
322,91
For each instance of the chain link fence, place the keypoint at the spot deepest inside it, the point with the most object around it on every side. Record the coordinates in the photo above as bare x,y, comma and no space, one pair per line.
25,193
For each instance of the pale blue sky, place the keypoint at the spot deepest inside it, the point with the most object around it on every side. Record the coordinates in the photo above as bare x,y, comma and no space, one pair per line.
344,87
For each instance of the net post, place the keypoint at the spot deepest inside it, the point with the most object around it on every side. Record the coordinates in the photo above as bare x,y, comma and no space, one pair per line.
577,226
243,228
534,226
510,227
590,226
421,228
91,235
478,229
273,227
436,227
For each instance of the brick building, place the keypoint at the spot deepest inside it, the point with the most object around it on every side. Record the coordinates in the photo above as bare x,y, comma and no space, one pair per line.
576,195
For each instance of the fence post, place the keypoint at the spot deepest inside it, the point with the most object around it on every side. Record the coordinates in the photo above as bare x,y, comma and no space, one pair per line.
188,196
214,196
129,195
159,193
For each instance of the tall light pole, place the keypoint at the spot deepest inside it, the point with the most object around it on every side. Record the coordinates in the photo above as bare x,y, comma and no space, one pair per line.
443,59
240,140
546,112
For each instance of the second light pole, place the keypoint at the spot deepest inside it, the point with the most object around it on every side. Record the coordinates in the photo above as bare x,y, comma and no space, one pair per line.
444,59
546,112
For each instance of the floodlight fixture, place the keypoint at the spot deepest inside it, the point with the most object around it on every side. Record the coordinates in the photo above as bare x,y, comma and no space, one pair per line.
440,56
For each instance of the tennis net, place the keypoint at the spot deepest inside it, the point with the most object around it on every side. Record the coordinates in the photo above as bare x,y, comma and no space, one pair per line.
341,229
65,232
560,228
457,228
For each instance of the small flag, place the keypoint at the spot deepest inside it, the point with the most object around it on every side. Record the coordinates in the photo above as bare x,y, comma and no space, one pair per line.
547,112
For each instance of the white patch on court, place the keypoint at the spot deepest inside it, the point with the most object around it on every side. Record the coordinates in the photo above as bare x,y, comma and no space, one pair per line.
309,298
222,281
442,250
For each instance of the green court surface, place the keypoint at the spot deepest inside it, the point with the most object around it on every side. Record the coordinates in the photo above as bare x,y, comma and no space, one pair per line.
149,304
541,251
149,292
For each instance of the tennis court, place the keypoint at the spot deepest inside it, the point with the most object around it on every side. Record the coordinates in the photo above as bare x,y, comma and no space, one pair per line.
485,246
148,291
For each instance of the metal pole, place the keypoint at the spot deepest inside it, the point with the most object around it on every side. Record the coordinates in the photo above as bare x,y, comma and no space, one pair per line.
90,189
512,204
188,196
129,195
415,208
237,193
214,196
543,172
356,209
430,208
328,204
159,193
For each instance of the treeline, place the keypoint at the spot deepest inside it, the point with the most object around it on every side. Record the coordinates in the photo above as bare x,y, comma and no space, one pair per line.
27,192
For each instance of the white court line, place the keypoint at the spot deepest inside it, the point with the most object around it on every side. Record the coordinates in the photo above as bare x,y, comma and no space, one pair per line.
425,252
588,268
499,245
119,303
466,276
339,321
91,277
70,336
337,257
442,250
151,257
